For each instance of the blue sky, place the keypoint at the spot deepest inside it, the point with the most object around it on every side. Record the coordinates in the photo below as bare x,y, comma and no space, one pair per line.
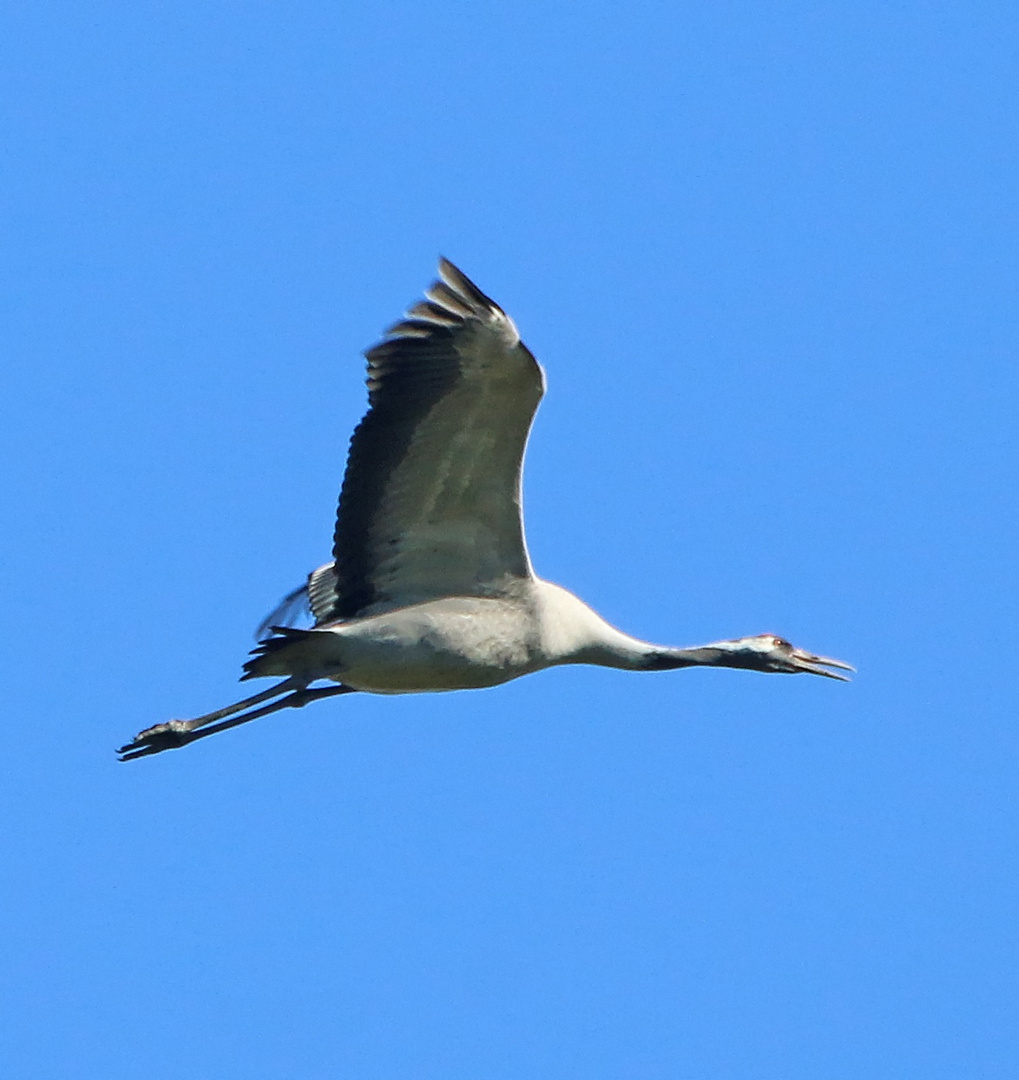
767,254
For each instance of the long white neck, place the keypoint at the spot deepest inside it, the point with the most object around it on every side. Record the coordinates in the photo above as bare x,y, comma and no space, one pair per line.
571,633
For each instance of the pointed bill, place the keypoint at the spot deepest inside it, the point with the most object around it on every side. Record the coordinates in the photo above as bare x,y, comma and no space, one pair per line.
818,665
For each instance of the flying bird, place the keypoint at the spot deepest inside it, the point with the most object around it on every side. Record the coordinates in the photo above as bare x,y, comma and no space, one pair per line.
430,586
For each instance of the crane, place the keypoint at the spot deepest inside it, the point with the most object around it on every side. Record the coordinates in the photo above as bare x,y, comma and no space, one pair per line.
430,586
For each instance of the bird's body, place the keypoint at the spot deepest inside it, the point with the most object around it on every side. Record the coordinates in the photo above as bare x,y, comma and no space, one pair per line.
431,587
457,643
461,643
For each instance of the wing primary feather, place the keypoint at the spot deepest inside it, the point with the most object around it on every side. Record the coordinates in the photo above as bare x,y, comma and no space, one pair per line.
443,295
458,281
436,313
412,328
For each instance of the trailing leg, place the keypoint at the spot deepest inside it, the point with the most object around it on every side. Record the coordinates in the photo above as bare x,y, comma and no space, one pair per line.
177,733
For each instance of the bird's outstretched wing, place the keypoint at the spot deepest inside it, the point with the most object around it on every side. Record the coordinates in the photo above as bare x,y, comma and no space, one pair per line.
294,608
431,501
312,601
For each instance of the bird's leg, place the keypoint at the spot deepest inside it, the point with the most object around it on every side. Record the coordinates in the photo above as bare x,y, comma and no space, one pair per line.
175,733
181,726
163,737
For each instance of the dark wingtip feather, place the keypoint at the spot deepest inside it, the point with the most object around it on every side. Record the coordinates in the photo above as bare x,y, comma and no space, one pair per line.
457,280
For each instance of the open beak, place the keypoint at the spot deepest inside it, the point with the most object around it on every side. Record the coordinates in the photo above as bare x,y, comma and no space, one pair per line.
818,665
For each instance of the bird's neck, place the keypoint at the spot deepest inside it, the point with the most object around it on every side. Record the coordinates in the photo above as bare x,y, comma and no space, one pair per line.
665,658
571,633
574,634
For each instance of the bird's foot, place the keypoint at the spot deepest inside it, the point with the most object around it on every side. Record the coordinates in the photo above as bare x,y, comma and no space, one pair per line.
156,738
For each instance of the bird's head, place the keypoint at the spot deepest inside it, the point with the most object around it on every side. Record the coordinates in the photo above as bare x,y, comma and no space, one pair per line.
768,652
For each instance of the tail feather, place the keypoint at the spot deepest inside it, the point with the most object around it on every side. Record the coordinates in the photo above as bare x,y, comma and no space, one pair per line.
267,650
